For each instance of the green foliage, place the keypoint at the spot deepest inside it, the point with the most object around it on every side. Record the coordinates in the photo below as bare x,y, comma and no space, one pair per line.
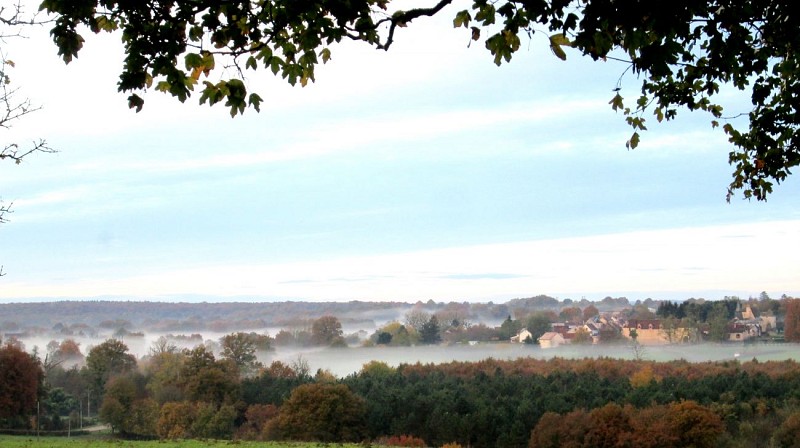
212,422
429,333
164,370
273,385
126,408
538,324
108,359
59,402
718,320
397,334
509,328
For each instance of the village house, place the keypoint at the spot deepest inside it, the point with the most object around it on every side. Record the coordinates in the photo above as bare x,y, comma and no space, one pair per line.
742,331
522,336
652,332
551,339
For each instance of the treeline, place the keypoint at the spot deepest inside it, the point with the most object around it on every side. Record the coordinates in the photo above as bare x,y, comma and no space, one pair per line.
217,317
88,317
192,393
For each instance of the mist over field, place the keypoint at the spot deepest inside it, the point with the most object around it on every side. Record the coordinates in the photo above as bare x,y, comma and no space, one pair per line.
342,363
345,361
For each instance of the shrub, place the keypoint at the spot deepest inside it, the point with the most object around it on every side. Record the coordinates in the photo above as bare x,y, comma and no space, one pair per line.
401,440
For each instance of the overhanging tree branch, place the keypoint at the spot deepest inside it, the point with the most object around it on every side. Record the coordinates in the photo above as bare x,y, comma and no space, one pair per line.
402,18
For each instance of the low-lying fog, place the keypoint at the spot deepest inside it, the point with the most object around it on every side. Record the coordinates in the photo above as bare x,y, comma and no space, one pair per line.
344,361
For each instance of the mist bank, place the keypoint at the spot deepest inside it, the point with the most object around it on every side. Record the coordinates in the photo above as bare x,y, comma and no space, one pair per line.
346,361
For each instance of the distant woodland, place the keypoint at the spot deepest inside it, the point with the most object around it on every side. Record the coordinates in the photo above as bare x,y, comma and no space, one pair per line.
186,386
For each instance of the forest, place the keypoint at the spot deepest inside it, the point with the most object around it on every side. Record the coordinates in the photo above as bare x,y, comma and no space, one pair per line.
188,388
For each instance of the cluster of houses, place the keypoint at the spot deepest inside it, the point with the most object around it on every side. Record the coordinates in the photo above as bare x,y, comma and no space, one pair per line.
615,325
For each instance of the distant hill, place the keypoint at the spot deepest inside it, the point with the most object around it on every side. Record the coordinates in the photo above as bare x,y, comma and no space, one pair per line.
230,316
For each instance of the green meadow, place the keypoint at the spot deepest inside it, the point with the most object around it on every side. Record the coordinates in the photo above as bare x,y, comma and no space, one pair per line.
106,442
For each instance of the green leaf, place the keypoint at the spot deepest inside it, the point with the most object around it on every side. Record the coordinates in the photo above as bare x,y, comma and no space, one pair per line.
275,65
163,86
616,102
325,54
193,60
558,52
659,113
633,142
255,101
560,40
556,41
135,102
486,14
462,19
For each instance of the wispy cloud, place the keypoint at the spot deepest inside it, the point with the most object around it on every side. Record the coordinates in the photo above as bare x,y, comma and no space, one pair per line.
658,264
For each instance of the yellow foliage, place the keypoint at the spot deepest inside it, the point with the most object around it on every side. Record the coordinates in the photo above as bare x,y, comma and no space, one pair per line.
643,377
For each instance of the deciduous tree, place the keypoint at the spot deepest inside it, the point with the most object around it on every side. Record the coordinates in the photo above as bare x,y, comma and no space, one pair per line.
175,420
13,18
416,318
108,359
241,348
718,320
590,312
20,378
538,324
322,412
786,435
791,325
326,330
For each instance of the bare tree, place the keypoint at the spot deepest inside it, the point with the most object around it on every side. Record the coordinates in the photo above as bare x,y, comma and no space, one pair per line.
13,19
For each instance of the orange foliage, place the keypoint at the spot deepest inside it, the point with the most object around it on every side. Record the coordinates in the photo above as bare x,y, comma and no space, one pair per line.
402,440
791,329
605,368
675,425
257,417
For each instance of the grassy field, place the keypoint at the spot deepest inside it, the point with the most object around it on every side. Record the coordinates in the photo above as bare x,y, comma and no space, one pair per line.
106,442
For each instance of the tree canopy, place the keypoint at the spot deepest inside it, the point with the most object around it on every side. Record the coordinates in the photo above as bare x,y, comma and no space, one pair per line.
20,379
683,52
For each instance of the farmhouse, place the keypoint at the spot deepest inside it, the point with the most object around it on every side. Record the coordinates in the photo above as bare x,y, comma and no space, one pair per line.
551,339
522,336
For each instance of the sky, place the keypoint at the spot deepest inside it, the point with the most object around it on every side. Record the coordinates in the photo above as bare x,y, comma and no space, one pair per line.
424,172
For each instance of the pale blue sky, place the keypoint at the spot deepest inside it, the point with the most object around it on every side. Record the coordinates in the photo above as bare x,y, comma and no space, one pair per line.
424,172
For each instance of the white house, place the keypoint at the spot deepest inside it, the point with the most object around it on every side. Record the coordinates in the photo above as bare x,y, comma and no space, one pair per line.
522,336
